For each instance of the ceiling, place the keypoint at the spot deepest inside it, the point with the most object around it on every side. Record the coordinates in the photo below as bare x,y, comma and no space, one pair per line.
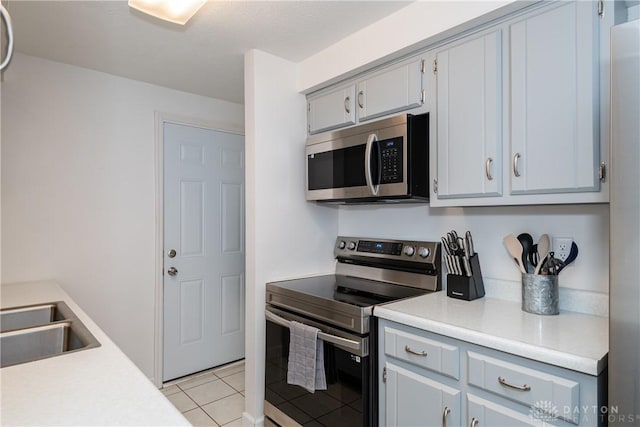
205,57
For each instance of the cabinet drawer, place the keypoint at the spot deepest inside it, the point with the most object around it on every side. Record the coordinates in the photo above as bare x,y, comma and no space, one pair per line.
559,396
423,352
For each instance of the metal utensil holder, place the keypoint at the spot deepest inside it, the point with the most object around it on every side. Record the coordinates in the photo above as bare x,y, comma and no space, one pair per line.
540,294
467,288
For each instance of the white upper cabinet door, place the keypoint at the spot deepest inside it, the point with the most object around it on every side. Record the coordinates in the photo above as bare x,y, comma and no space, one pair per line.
332,110
554,94
469,118
393,89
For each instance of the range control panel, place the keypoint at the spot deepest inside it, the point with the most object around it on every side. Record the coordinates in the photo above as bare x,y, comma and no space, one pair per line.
398,250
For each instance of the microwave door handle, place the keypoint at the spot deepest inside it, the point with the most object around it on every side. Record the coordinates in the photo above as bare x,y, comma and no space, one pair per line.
367,164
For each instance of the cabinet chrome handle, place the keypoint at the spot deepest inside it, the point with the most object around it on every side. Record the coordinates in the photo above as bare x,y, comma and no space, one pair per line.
504,382
7,20
360,95
417,353
487,168
446,412
172,271
474,422
516,159
347,102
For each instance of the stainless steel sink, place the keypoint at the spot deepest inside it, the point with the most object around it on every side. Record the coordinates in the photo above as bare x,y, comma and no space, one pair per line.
40,331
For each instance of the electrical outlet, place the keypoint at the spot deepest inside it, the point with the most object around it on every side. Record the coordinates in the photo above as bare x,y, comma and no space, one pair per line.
562,247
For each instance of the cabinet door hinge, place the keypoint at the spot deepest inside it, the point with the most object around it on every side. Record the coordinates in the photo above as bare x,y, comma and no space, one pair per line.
435,66
384,374
435,186
601,8
422,66
602,173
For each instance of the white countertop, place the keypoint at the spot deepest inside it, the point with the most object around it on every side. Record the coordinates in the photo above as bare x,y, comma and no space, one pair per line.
98,386
575,341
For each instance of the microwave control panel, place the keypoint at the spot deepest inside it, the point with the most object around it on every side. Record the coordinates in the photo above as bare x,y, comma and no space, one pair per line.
391,155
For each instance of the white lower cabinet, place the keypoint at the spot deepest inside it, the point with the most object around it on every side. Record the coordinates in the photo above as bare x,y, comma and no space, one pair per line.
415,400
428,379
481,413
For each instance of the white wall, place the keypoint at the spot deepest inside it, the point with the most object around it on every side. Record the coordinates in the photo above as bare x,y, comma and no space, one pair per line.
286,236
78,189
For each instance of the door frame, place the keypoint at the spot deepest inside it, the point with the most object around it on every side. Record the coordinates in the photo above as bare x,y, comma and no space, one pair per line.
160,119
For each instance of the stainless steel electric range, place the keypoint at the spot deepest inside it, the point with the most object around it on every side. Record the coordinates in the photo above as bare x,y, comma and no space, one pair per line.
369,272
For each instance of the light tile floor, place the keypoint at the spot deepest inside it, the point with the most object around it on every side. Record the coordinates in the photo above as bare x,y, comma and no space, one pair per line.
210,398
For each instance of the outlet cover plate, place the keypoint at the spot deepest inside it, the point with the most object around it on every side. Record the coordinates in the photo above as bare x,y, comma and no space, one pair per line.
562,247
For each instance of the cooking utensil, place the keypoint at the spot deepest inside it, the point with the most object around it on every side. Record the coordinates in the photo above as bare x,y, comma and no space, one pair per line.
445,246
544,244
534,257
469,240
527,245
552,265
467,266
514,247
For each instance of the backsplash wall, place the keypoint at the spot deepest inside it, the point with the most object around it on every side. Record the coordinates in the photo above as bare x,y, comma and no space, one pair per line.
584,286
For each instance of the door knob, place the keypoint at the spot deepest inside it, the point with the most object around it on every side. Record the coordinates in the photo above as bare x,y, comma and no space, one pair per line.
172,271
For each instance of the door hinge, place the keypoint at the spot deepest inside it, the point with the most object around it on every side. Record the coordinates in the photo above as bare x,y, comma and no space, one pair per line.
602,173
601,8
435,66
308,128
422,66
308,106
423,96
384,375
435,186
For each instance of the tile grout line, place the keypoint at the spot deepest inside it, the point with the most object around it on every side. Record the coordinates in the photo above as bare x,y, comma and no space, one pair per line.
215,378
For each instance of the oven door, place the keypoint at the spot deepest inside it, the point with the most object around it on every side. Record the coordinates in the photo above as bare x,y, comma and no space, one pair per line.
347,400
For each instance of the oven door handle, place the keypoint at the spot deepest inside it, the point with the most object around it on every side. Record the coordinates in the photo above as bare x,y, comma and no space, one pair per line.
351,344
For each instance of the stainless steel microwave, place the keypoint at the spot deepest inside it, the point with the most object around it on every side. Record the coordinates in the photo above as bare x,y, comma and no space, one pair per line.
386,160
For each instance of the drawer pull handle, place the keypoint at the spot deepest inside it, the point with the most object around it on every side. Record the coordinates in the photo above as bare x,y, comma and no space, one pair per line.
417,353
504,382
474,422
446,412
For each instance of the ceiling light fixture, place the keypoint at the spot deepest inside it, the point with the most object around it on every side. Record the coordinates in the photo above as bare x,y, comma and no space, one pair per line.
176,11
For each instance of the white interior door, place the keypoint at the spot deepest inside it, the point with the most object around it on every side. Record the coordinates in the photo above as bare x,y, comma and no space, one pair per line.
204,225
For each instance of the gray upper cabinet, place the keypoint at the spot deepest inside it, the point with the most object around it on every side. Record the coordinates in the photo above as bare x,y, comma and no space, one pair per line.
517,113
331,110
392,89
518,108
469,117
554,89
